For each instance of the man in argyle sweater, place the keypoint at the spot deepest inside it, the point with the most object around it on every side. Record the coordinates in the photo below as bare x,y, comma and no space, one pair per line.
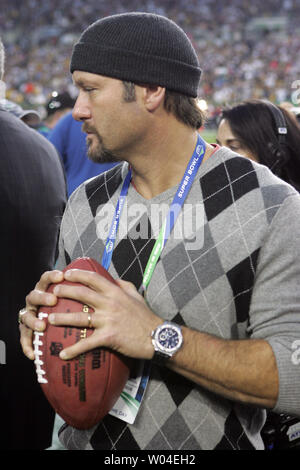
230,281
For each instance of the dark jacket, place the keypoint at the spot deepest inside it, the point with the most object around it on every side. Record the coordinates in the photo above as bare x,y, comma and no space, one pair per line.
32,200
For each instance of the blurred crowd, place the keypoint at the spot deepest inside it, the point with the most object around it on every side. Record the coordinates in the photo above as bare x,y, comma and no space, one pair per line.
246,49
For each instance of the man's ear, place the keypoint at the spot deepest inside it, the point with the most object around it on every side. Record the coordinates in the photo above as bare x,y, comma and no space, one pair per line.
153,96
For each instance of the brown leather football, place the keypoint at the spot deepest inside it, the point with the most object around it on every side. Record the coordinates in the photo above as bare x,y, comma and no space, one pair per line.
84,389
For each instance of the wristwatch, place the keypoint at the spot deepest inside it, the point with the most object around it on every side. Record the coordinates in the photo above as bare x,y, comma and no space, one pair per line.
167,339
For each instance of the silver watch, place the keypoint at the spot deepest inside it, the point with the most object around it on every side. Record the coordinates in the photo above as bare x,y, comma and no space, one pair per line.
167,339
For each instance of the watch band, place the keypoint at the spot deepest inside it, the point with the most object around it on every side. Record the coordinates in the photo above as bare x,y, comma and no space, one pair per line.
160,358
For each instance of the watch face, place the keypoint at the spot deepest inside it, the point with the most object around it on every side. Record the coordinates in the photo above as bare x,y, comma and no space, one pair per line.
169,338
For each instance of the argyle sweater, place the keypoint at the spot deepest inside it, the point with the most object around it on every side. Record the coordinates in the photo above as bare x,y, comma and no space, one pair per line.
234,273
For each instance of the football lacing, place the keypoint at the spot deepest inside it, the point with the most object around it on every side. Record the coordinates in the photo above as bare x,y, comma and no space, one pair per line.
37,352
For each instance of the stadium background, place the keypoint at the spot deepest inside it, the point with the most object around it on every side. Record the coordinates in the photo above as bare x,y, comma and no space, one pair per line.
246,49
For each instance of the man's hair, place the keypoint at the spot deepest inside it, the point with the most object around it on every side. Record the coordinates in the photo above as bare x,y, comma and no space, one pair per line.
184,108
2,59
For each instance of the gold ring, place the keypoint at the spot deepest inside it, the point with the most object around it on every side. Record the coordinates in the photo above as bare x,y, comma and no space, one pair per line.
90,325
21,313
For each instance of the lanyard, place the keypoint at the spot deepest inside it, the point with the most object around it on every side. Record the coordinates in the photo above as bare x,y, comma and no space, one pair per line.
174,210
110,242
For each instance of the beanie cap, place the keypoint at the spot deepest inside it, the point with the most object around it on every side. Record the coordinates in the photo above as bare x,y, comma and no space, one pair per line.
141,48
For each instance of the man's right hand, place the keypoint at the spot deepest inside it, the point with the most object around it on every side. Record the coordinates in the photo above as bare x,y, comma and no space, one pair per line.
37,297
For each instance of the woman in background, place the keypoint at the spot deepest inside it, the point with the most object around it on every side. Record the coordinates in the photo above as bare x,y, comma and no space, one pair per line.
264,133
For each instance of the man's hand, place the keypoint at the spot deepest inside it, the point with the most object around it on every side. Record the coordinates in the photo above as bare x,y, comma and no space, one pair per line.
122,321
34,300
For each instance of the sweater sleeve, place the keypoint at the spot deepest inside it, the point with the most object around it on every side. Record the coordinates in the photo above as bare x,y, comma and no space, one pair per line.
275,304
69,229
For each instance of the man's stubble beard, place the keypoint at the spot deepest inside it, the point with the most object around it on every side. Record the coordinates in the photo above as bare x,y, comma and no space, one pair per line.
98,153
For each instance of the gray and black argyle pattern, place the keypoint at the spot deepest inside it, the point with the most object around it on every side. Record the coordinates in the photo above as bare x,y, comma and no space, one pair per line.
215,286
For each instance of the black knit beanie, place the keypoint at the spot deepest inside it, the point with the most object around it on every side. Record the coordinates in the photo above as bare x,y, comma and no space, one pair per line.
141,48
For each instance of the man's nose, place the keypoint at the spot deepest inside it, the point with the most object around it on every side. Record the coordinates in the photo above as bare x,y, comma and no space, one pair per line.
81,110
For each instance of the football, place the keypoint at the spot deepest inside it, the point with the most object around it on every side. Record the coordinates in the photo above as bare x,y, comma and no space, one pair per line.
84,389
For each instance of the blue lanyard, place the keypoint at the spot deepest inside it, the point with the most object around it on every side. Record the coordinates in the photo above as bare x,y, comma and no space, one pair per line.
184,186
110,241
175,208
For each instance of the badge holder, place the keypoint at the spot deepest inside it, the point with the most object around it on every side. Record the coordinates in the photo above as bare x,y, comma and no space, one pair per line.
127,406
